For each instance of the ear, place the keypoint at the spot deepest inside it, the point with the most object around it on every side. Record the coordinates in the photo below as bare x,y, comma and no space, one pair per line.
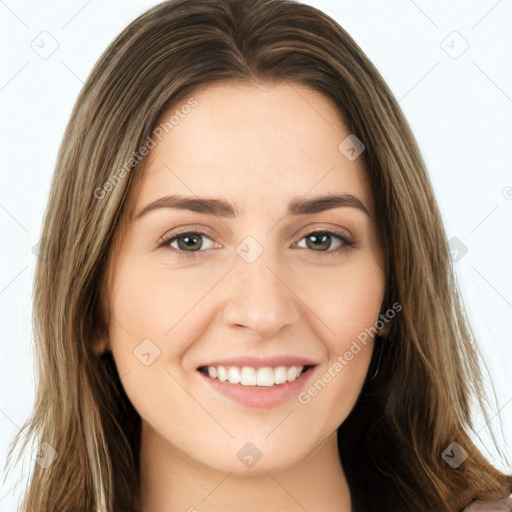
385,330
100,337
386,318
101,345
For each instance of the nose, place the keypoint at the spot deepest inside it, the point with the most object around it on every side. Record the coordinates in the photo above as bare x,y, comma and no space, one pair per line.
261,299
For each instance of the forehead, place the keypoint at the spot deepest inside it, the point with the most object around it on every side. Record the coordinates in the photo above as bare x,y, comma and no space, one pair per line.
252,144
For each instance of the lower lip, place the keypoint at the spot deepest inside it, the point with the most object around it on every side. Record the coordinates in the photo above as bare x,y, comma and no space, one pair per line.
261,397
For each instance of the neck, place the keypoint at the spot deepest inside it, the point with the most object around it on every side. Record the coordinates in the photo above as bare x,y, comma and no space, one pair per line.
172,481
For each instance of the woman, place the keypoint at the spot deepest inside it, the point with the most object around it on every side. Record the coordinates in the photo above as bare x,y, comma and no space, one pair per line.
312,354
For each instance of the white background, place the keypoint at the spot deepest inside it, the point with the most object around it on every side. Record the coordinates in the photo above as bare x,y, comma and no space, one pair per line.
460,110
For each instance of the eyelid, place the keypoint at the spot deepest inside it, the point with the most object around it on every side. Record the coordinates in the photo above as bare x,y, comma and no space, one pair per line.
348,238
175,232
170,236
347,242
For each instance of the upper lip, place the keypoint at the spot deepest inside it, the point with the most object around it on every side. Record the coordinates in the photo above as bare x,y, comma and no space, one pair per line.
261,362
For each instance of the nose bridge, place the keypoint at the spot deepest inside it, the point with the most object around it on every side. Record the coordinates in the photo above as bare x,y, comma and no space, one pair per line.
259,298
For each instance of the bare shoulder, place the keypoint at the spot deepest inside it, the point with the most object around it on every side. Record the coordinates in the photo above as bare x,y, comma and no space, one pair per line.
503,505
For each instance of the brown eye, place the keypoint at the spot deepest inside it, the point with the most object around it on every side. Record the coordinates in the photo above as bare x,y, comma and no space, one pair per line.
324,241
318,241
189,242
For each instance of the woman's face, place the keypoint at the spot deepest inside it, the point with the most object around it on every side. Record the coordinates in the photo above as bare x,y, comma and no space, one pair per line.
258,293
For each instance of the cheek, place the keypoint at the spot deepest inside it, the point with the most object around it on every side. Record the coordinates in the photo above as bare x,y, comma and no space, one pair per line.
337,383
357,305
157,314
151,300
347,299
349,308
144,302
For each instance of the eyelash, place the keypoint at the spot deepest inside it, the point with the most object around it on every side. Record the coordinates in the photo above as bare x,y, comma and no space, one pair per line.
345,242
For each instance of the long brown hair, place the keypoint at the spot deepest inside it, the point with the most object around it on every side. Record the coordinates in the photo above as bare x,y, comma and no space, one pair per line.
420,402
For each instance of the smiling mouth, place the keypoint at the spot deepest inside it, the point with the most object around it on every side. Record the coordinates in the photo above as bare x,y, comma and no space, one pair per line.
264,377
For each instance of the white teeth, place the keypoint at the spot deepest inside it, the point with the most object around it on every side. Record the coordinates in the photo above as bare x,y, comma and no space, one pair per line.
222,374
280,375
262,377
234,375
265,377
248,377
291,373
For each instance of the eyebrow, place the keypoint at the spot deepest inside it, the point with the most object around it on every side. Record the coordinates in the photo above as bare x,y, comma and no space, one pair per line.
222,208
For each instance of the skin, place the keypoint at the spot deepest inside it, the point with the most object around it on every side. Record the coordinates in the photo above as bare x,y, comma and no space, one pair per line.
258,147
